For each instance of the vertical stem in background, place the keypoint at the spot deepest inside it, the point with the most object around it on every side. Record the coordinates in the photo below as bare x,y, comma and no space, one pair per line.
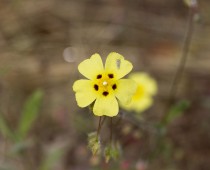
183,60
99,126
111,128
185,51
100,123
177,76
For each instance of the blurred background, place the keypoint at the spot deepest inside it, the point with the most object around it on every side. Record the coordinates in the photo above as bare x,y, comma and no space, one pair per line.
41,44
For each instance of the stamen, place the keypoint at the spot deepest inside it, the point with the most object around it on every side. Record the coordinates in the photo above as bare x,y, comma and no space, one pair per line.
105,93
114,86
96,87
111,76
99,76
105,83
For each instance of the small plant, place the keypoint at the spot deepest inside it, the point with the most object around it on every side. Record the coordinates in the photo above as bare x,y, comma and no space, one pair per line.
18,138
29,114
106,89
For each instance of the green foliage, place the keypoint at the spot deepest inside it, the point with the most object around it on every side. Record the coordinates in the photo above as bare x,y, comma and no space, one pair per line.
112,151
94,143
51,157
28,116
177,110
4,129
29,113
167,147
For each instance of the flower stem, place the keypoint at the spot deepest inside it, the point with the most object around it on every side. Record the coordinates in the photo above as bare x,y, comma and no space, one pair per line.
100,123
185,51
99,126
183,60
111,129
176,79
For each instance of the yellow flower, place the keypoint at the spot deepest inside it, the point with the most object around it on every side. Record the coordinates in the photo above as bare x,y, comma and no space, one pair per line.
104,84
146,89
190,3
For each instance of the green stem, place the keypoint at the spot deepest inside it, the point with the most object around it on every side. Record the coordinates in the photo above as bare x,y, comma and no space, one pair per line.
183,60
176,80
100,123
99,126
111,129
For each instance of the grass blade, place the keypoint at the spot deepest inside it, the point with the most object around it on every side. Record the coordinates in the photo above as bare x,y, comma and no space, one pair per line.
29,113
4,129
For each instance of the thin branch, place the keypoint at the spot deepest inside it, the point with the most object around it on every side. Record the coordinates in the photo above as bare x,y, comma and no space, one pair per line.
177,76
183,60
100,123
111,129
99,126
185,51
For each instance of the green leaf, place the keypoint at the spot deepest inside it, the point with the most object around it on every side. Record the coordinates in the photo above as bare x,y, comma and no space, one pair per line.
29,114
52,156
112,151
94,143
177,110
4,129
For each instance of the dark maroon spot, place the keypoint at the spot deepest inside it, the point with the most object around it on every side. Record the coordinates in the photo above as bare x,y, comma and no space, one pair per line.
114,86
105,93
111,76
96,87
99,76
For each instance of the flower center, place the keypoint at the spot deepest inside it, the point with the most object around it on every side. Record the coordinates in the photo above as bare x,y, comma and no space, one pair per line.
140,92
105,84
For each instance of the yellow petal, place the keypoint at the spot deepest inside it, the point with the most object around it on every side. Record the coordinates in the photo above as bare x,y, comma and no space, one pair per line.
90,68
85,93
139,105
107,106
145,81
125,90
118,65
190,3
